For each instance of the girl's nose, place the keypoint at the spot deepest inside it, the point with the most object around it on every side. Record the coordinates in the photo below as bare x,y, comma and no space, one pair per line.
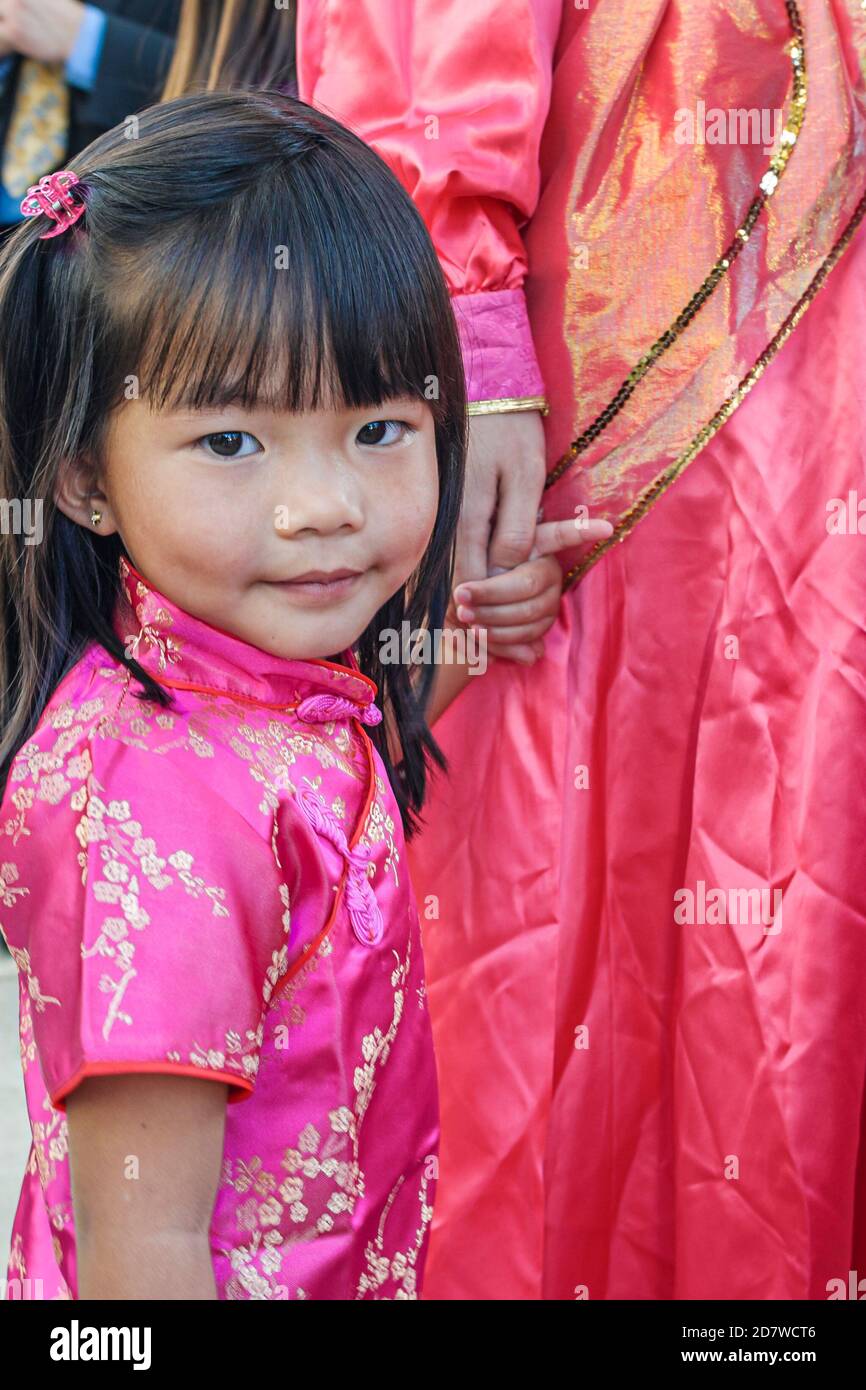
324,501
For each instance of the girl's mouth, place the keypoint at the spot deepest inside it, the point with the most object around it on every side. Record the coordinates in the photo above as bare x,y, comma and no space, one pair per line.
321,584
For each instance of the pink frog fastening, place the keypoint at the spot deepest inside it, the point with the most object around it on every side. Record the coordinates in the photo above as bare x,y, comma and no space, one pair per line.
321,709
364,912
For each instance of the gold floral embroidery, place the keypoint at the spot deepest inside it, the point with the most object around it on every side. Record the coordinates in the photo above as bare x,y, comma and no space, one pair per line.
291,1013
50,1146
332,1160
26,1040
9,876
400,1267
22,961
150,634
111,827
380,828
22,799
240,1055
270,746
17,1265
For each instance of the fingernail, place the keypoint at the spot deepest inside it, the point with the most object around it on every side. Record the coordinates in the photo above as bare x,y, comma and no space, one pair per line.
463,593
466,615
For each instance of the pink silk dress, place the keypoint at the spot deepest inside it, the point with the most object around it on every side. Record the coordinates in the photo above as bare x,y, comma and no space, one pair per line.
220,890
634,1106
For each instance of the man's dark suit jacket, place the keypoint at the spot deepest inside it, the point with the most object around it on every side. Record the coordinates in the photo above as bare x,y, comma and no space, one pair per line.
136,52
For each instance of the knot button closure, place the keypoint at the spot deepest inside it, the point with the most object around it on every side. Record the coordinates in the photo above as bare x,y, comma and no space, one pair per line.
320,709
364,912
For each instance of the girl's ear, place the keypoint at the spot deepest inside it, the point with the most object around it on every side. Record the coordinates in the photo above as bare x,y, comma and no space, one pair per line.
79,497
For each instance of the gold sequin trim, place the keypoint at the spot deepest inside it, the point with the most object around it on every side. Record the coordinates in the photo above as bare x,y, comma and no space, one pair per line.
766,188
651,494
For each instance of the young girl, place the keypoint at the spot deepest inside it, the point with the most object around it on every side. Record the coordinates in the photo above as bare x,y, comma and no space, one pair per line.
231,386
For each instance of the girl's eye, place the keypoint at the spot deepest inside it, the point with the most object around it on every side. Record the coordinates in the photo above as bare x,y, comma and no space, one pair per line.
229,444
376,432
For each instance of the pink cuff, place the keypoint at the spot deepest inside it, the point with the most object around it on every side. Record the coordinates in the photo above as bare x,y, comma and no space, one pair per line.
498,352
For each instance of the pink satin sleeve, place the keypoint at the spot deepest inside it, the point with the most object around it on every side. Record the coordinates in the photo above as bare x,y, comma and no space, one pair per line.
135,884
454,97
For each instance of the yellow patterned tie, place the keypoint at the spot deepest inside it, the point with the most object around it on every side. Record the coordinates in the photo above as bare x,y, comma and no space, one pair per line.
38,130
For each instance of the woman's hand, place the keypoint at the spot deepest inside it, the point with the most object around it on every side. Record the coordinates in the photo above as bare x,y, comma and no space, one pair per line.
514,608
517,606
505,470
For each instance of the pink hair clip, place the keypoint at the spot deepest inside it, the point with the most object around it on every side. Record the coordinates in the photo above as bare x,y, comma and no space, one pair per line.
51,196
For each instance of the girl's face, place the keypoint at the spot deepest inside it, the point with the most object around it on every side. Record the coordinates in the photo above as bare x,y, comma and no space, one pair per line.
288,531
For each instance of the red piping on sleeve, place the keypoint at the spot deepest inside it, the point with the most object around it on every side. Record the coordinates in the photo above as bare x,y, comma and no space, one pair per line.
240,1088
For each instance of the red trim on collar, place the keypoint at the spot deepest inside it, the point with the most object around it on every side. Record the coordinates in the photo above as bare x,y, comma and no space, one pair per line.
220,663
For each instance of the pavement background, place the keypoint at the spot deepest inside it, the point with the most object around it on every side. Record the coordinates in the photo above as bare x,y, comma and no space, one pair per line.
14,1125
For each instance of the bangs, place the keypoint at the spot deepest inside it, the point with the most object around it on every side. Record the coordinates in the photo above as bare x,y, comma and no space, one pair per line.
309,290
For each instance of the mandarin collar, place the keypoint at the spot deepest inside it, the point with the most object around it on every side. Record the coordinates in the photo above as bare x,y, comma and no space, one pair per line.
182,651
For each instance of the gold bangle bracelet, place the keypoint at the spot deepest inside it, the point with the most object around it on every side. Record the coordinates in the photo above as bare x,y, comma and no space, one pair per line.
508,403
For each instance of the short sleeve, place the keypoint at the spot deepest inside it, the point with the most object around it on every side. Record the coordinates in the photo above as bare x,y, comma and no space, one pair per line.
151,918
